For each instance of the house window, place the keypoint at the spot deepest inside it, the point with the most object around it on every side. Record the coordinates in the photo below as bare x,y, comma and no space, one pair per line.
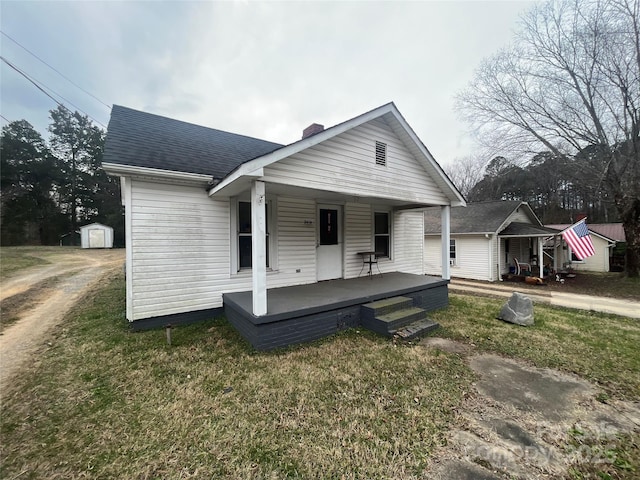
244,235
382,234
381,153
452,252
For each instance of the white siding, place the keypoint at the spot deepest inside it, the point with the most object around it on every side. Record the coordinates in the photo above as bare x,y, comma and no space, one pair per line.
408,244
358,236
296,243
473,254
346,164
598,262
179,250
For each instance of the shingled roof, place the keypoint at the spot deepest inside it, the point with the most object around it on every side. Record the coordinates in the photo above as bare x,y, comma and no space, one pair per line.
481,217
145,140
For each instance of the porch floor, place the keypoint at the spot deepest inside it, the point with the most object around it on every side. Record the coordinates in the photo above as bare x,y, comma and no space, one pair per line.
302,300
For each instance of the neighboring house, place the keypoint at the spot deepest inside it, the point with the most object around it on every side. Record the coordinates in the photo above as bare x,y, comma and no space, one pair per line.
195,198
602,244
96,235
486,240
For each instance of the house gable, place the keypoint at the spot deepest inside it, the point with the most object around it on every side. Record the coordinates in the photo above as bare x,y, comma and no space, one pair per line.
386,118
348,164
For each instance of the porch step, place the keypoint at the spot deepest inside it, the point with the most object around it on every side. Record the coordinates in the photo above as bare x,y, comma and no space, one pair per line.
396,316
416,329
387,305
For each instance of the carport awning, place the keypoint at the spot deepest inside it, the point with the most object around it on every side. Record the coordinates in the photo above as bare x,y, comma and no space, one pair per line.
518,229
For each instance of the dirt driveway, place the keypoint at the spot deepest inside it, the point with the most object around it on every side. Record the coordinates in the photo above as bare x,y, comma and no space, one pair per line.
39,297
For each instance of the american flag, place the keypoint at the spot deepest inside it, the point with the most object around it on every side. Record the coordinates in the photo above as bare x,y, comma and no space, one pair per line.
578,238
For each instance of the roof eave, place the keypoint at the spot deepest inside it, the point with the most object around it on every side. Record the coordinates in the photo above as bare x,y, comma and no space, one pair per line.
119,170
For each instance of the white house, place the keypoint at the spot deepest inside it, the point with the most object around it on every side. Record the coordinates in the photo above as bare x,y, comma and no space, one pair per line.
488,239
210,214
602,244
96,235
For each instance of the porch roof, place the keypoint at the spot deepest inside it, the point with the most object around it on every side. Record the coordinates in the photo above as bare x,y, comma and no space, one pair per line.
519,229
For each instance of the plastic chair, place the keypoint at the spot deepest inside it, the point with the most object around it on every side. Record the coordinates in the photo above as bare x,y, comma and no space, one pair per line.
520,267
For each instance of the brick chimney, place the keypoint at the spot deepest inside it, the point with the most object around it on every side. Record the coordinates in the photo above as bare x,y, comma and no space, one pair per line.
312,130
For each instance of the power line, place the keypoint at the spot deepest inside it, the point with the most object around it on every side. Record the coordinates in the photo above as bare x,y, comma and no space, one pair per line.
55,70
5,118
36,84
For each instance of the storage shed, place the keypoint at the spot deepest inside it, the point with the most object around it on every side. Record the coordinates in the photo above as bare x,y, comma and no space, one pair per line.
96,235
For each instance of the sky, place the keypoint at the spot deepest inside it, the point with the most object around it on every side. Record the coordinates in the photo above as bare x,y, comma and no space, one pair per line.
259,68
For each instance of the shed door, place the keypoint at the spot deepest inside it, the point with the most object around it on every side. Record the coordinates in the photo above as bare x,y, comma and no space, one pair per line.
329,256
96,238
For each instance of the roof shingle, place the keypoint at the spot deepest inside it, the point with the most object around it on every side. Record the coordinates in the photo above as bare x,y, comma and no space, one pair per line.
481,217
145,140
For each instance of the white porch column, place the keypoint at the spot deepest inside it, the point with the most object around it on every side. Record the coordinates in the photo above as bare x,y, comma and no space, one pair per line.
259,248
498,270
541,256
445,216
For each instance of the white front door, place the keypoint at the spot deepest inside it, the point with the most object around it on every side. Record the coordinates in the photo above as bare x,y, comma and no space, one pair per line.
329,256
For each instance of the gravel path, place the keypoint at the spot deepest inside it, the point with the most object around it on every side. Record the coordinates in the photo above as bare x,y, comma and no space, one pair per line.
21,340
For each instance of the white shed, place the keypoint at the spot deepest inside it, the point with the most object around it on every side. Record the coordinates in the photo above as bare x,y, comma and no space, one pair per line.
96,235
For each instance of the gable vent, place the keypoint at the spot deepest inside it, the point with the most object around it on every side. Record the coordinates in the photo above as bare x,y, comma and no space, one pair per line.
381,153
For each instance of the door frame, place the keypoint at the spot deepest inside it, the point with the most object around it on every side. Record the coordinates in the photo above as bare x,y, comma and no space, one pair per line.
340,247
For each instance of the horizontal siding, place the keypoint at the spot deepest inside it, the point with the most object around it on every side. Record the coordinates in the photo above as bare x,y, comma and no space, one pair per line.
598,262
296,243
408,244
346,164
473,254
358,236
180,249
432,255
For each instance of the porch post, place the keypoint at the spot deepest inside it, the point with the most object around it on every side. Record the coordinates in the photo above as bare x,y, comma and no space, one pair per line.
258,248
540,256
445,216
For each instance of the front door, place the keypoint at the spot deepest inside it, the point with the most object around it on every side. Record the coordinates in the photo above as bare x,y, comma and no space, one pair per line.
329,256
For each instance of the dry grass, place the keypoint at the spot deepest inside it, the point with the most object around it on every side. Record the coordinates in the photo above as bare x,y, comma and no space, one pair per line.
602,348
105,403
14,259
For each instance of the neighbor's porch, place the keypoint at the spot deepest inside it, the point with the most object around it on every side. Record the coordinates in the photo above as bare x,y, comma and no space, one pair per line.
304,313
523,244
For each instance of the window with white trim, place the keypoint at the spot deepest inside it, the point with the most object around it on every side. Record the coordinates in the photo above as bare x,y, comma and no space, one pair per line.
382,234
243,229
452,251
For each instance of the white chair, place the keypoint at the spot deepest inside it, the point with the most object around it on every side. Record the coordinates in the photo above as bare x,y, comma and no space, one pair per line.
520,267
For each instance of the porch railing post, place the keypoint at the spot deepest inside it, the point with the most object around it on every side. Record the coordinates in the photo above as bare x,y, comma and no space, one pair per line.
259,248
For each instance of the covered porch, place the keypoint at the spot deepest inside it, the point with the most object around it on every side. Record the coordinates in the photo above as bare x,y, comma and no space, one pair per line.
521,248
304,313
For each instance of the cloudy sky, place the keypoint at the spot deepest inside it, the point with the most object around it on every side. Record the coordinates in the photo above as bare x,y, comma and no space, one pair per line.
264,69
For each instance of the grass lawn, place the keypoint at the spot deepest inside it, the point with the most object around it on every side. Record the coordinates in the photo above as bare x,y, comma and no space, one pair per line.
13,259
101,402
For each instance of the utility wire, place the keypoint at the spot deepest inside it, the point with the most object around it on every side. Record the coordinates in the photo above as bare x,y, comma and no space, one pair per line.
36,84
55,70
5,118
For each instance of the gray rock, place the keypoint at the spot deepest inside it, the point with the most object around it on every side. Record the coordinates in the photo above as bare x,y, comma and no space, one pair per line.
518,310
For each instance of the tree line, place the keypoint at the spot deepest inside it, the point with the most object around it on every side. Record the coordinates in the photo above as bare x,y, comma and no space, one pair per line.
557,188
51,188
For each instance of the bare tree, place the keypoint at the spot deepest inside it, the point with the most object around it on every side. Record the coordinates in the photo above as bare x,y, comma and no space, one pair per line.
569,85
465,173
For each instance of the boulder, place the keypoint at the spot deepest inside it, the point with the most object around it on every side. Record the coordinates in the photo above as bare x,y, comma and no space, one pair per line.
518,310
